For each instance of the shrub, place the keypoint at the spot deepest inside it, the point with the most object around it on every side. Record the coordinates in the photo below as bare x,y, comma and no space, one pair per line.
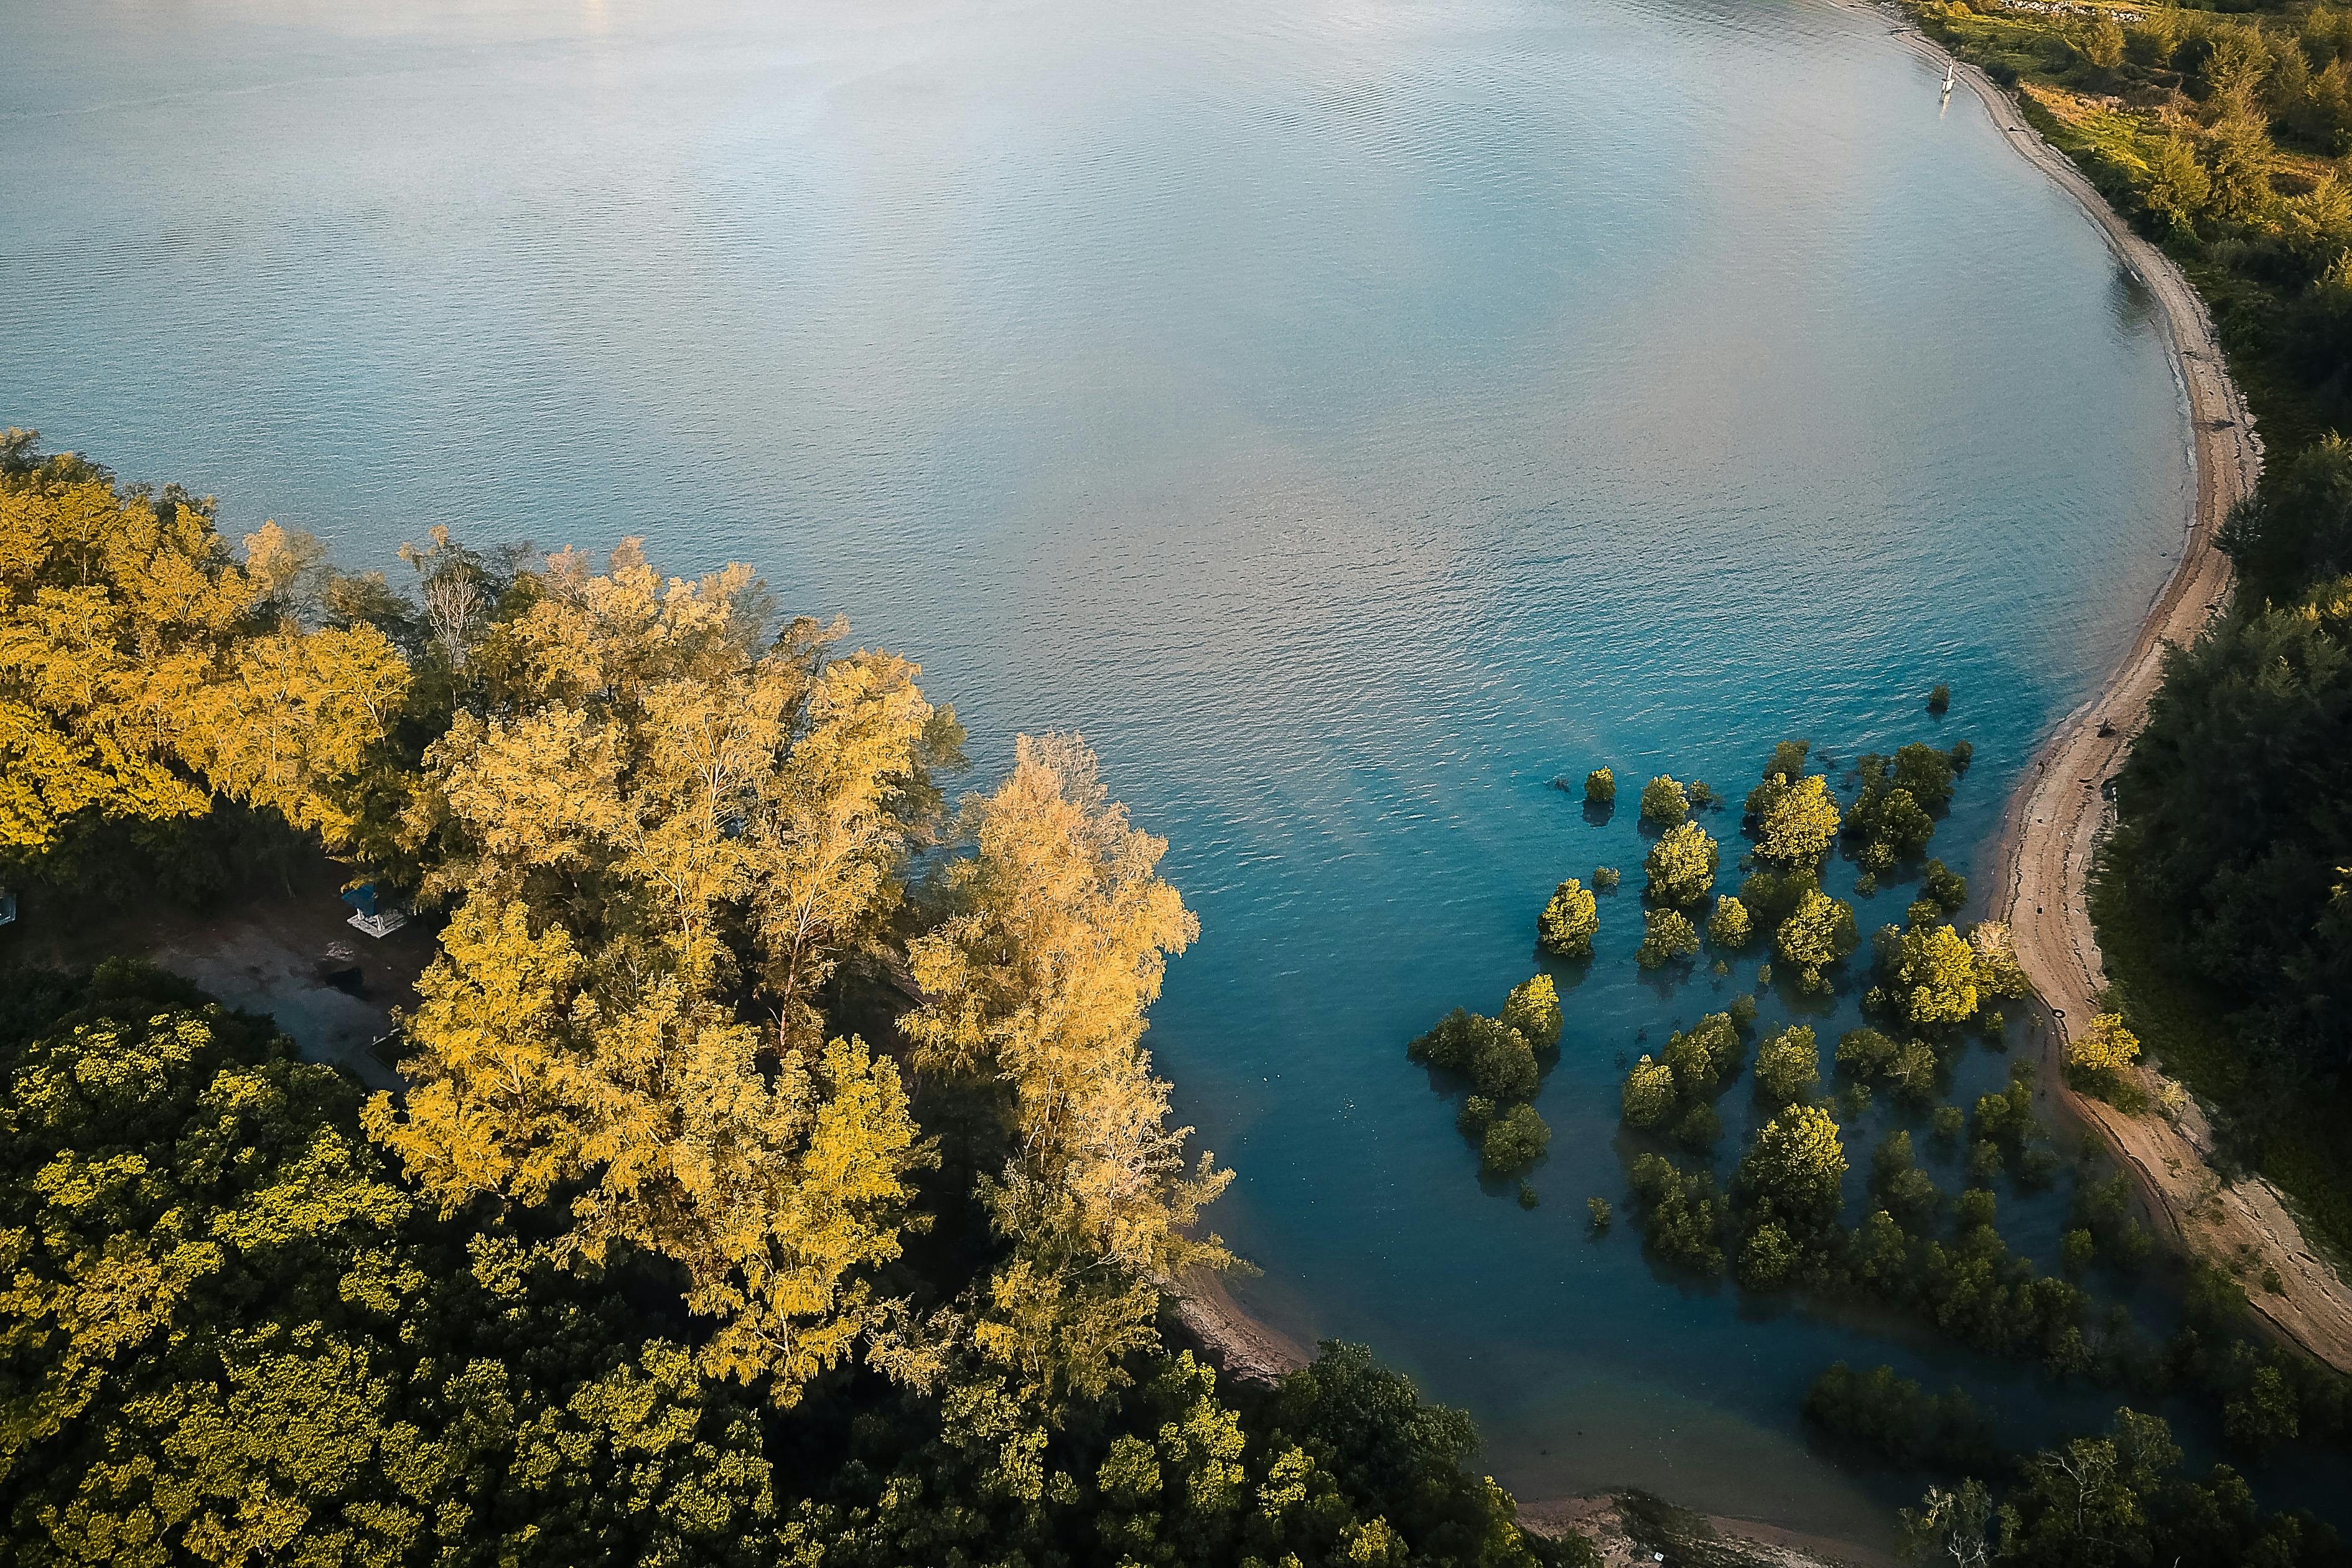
1897,1423
1570,921
1495,1058
1940,698
1648,1094
1930,972
1698,1128
1663,802
1601,787
1681,866
1818,933
1665,934
1947,1121
1794,1167
1533,1009
1946,887
1799,822
1728,927
1605,878
1866,1053
1529,1197
1789,1066
2076,1251
1599,1209
2103,1046
1516,1141
1683,1214
1743,1010
1767,1260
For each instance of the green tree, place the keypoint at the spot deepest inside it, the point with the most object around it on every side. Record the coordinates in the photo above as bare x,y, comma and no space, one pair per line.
1819,931
1515,1141
2240,155
1789,1066
1795,1165
1663,802
2102,44
1666,934
1569,922
1649,1093
1533,1009
1799,823
1601,787
1728,927
1681,866
1930,971
2178,188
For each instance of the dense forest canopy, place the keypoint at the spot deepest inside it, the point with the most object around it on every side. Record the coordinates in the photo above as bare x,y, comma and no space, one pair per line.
778,1174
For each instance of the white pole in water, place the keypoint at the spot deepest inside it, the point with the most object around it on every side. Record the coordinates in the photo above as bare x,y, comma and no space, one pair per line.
1948,79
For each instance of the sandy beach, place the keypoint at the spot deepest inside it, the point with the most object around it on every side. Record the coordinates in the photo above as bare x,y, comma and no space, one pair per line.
2061,812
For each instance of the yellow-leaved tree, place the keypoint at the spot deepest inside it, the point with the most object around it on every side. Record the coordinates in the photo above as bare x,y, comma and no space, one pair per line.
144,668
664,829
1053,946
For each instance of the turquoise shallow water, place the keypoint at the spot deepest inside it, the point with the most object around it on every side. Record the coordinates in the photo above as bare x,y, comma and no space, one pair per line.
1350,417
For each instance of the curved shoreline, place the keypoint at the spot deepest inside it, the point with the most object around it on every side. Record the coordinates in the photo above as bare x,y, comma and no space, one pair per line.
2059,814
2050,831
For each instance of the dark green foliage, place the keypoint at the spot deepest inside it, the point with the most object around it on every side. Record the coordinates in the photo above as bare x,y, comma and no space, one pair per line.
2007,1117
1787,765
1601,787
292,1346
1890,1420
1945,886
1605,878
1895,1180
1698,1128
1909,1067
1496,1058
1516,1140
1940,698
1893,817
1788,1066
2234,826
1772,896
231,1336
1681,1214
2104,1501
2297,529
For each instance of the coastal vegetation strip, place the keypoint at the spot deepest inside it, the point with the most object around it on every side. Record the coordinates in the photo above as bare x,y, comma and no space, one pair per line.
689,1235
2059,819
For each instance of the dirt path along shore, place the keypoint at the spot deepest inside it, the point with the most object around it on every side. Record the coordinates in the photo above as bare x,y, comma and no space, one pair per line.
2061,812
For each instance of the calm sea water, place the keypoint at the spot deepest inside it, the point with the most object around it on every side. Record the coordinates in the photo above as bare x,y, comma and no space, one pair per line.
1348,416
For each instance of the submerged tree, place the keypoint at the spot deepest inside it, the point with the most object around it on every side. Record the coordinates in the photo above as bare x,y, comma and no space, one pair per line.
1681,866
1570,921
